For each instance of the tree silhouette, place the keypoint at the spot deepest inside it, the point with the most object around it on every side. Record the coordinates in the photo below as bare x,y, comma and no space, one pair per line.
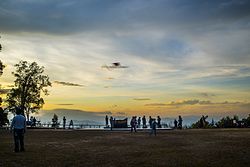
1,64
3,116
29,84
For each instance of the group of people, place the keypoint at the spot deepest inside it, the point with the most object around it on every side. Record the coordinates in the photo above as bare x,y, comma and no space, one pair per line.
32,122
18,126
152,122
71,124
178,124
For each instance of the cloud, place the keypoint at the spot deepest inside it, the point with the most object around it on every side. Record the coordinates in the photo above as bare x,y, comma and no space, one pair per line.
114,106
141,99
120,113
156,104
205,94
66,104
202,102
187,102
67,83
49,16
196,102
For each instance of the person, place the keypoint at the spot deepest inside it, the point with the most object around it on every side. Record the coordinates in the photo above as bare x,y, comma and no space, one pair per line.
139,122
34,122
107,121
18,126
153,127
30,122
133,124
64,122
144,121
180,122
159,121
175,123
71,124
150,121
111,122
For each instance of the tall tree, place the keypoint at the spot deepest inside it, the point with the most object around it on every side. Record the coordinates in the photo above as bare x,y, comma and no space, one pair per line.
1,68
30,83
3,116
1,64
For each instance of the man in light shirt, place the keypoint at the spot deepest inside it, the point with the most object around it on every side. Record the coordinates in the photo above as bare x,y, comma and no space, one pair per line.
19,126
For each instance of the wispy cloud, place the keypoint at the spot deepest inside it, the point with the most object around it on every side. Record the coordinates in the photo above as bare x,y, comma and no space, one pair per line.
156,104
120,113
141,99
196,102
205,94
203,102
65,104
67,83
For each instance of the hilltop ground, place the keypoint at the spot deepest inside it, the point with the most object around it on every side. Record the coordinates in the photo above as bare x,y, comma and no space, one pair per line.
216,147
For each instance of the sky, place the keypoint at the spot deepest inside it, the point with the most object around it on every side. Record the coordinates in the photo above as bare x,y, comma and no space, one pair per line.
184,57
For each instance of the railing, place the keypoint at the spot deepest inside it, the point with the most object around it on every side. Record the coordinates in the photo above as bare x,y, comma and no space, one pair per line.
75,126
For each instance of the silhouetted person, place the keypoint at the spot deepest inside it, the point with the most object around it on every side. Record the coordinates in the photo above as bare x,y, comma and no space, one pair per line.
64,122
139,122
133,124
34,122
150,121
175,124
180,122
153,127
144,121
111,123
71,124
19,126
107,121
159,121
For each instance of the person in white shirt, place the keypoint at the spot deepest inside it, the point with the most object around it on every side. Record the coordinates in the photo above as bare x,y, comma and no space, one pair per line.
18,125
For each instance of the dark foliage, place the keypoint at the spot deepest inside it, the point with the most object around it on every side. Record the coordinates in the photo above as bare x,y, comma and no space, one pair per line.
29,84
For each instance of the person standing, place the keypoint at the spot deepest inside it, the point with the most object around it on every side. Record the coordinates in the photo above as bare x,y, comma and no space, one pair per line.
139,122
18,126
133,124
107,121
150,120
111,122
159,121
153,127
34,122
64,122
144,121
180,122
175,123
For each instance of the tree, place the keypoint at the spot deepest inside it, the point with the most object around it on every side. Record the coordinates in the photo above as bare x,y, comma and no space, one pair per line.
1,67
30,83
55,123
1,64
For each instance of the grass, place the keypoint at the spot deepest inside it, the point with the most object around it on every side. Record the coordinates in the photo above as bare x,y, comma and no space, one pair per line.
215,147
